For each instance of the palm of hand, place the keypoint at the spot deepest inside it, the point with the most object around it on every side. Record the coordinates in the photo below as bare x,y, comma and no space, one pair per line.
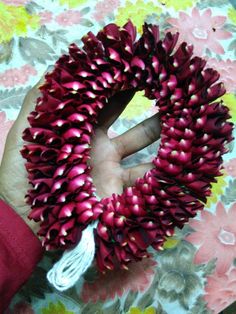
106,154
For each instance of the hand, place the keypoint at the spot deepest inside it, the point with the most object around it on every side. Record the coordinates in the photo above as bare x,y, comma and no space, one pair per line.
106,154
13,175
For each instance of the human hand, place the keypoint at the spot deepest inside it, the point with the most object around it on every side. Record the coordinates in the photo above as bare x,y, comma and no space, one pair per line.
13,175
106,154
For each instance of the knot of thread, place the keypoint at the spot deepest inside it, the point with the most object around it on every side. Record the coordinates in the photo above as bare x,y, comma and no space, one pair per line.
74,263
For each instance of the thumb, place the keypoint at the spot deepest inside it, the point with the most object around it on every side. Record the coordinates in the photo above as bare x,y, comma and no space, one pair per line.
15,134
28,105
30,99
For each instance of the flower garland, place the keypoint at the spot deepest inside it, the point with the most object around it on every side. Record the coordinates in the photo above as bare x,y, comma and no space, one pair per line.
194,132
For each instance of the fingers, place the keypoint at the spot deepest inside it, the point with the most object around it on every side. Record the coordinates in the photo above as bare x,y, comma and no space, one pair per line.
130,175
114,108
140,136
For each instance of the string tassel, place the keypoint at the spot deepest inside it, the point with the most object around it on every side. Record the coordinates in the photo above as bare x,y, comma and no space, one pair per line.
74,263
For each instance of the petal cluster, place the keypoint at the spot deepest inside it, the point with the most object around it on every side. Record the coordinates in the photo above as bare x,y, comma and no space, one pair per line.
193,137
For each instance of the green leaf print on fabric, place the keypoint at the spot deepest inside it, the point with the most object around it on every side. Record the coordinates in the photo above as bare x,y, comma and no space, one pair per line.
147,299
36,286
203,4
13,98
73,3
230,193
86,22
34,50
232,46
200,307
209,268
177,278
130,299
6,51
56,308
148,310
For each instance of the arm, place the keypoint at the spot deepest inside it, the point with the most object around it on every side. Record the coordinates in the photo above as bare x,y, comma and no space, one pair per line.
20,252
20,249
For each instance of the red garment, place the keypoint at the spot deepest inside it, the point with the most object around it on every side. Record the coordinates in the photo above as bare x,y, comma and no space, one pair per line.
20,251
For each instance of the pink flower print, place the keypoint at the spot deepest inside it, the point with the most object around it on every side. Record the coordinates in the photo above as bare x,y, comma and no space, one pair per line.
216,235
227,70
5,126
230,167
14,77
104,8
6,79
220,291
200,29
68,18
45,17
138,278
15,2
29,70
18,77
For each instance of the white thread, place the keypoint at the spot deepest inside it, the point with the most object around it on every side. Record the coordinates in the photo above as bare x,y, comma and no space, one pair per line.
67,271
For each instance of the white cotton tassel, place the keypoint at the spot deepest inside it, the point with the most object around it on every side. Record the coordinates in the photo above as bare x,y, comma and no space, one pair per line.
74,263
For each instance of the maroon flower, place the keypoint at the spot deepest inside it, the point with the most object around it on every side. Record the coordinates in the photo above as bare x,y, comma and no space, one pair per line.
194,131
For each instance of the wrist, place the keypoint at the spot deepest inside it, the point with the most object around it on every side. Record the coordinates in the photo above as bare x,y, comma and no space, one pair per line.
34,226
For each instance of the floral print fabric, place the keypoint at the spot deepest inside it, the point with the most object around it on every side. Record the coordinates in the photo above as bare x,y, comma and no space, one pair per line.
196,271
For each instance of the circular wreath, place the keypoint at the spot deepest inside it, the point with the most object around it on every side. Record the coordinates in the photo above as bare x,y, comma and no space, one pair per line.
194,132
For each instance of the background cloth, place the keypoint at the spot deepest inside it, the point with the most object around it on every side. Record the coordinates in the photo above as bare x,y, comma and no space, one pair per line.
196,272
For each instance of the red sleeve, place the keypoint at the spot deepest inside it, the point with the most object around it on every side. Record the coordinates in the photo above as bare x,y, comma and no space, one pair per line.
20,251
